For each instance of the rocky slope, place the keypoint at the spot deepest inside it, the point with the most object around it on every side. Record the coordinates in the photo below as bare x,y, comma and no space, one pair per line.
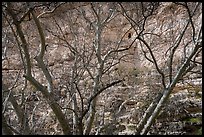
121,107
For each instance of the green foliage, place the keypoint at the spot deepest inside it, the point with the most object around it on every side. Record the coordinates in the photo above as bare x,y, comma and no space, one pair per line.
199,131
193,120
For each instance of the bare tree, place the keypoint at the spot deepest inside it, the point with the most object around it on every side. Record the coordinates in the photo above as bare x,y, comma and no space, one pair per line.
88,57
9,8
172,76
89,60
68,53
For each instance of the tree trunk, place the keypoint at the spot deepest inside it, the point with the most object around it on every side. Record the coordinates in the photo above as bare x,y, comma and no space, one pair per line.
155,110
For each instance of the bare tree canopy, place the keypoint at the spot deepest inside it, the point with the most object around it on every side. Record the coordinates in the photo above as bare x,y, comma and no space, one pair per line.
101,68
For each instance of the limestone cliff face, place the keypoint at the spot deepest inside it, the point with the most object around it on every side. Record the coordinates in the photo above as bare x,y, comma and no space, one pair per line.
165,24
71,26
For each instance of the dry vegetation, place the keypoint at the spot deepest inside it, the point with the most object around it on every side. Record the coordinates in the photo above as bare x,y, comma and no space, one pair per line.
104,66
